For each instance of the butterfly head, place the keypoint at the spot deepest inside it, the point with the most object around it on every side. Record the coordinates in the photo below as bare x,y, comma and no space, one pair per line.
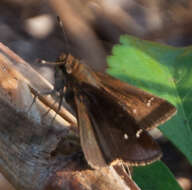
73,72
65,68
67,63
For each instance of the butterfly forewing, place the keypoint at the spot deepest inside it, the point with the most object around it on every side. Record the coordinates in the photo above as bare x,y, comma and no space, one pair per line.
148,110
107,127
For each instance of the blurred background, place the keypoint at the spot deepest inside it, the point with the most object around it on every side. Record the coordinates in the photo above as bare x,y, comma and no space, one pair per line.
90,29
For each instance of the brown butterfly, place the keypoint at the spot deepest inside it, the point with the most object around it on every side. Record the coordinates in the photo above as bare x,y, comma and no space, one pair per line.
113,116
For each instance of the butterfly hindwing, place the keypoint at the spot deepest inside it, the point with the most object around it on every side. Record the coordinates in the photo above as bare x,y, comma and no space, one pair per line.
108,133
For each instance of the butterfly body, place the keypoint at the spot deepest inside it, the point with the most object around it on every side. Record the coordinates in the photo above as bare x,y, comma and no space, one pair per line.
113,116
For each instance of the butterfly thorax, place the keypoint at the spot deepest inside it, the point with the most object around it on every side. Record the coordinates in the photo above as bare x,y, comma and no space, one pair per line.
76,73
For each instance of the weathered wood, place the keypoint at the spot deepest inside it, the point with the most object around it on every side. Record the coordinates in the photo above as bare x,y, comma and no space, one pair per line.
105,179
14,66
37,156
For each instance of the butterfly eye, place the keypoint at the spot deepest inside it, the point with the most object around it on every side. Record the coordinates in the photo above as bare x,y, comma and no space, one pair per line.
62,57
70,64
69,68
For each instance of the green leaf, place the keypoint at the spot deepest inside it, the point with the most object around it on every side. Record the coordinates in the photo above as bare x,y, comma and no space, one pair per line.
162,70
167,72
155,177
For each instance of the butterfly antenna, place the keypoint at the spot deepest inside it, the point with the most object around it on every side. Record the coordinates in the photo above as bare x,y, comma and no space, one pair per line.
64,33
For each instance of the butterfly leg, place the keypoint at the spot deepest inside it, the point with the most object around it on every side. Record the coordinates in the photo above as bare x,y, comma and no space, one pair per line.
34,100
61,96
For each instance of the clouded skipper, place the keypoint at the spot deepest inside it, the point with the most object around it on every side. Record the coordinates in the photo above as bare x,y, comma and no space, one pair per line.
113,116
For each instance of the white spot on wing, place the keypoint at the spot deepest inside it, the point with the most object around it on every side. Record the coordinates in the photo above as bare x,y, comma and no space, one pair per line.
150,101
148,104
